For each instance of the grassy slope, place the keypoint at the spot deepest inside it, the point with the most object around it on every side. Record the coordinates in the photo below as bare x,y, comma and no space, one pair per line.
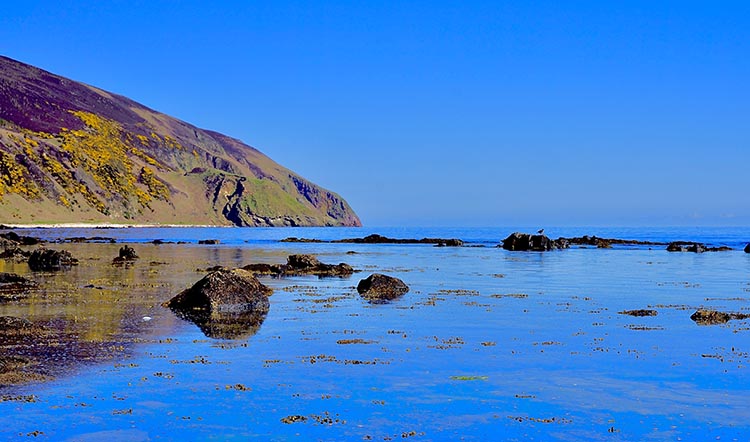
70,152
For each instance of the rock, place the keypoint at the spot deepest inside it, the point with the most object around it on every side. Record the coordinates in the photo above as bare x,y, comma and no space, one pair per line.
301,265
301,262
379,239
695,247
209,241
127,255
380,288
640,312
712,317
526,242
14,253
49,260
225,304
264,269
747,248
310,265
22,240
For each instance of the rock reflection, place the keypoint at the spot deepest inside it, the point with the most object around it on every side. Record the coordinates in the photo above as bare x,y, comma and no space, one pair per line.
224,325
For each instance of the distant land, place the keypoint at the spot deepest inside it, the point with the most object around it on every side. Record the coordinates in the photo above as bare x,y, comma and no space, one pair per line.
73,153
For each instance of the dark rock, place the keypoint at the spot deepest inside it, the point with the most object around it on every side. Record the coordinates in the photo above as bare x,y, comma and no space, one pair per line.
301,265
15,254
127,256
605,243
380,288
712,317
49,260
264,269
157,242
226,304
22,240
379,239
747,248
526,242
640,312
302,262
209,241
295,239
695,247
310,265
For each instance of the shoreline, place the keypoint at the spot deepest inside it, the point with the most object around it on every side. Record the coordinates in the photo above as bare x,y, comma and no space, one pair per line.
100,226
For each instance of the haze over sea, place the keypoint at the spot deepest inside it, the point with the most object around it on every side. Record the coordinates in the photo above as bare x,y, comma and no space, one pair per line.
487,345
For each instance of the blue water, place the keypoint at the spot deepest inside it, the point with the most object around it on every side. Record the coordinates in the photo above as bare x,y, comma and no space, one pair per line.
487,345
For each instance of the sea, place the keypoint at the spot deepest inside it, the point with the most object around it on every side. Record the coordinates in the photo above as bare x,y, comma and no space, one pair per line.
488,344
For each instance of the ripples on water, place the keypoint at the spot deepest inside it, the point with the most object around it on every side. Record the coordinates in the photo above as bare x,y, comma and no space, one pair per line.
487,345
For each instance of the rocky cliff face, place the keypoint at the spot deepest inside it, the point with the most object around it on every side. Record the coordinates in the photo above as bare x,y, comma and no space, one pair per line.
70,152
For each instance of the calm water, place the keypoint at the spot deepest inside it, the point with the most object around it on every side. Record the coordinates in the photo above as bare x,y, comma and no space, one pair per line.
487,345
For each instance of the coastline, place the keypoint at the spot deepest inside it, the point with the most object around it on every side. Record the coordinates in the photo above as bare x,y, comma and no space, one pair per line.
101,226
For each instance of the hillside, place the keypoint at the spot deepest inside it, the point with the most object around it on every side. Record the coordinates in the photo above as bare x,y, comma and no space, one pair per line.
72,153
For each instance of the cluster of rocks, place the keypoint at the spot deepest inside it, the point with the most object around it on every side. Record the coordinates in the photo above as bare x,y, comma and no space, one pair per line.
695,247
125,257
713,317
301,265
46,260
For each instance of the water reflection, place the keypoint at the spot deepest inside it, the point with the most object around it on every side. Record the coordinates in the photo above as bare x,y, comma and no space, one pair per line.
224,325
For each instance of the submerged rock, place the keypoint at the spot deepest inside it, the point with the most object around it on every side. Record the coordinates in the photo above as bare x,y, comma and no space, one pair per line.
50,260
538,243
380,288
127,255
713,317
301,265
695,247
639,312
226,304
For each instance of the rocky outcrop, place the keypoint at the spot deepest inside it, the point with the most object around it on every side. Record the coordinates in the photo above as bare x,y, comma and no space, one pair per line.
694,247
50,260
226,304
379,239
537,243
301,265
125,257
747,248
381,288
713,317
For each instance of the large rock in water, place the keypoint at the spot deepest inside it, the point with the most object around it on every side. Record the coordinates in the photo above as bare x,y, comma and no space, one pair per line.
380,288
527,242
747,248
226,304
49,260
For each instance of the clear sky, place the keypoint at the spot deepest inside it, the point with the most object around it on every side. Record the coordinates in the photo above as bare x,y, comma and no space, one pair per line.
442,113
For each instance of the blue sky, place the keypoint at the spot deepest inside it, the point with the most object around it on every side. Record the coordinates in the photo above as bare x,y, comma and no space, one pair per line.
442,113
